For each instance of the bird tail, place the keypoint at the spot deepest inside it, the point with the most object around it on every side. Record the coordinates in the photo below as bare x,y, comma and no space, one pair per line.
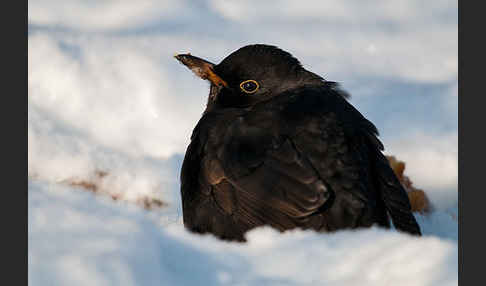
395,197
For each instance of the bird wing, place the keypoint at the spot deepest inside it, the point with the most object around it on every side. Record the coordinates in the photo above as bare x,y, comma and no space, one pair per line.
273,168
331,140
277,188
384,180
394,195
364,149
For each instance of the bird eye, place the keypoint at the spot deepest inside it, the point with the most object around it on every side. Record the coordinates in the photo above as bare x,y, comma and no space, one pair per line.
249,86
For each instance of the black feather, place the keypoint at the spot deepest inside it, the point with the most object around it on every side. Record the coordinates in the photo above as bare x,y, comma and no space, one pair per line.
296,154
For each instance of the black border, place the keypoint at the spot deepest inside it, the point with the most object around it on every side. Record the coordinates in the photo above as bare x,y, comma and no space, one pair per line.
471,144
14,140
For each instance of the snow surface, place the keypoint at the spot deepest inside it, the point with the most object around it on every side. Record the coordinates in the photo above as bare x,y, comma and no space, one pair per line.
76,238
105,94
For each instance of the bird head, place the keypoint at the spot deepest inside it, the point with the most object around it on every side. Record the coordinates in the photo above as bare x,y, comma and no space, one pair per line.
250,75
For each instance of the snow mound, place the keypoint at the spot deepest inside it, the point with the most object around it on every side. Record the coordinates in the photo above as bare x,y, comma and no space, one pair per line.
76,238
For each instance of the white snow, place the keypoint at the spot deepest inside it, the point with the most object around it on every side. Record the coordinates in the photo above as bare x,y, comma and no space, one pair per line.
76,238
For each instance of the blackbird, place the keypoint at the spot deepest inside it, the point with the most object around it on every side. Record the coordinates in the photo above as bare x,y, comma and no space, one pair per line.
279,145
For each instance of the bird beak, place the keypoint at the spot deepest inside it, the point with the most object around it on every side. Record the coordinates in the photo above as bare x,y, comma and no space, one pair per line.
201,68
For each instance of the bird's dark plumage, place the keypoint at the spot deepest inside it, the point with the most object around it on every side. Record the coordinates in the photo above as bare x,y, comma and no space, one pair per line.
287,151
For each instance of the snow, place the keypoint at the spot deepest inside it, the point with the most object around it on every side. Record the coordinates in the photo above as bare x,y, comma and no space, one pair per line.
105,96
76,238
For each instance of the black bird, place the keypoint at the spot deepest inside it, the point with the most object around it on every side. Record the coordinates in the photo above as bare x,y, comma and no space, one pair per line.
278,145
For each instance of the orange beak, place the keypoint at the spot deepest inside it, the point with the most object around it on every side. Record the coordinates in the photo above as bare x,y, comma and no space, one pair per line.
201,68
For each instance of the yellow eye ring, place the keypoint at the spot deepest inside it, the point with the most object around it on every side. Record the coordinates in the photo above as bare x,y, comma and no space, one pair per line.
249,86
